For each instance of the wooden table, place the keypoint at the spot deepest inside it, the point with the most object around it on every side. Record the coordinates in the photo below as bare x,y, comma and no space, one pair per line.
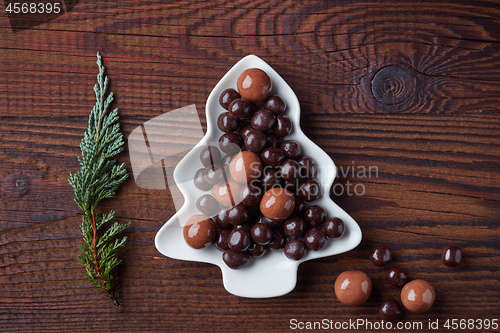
411,89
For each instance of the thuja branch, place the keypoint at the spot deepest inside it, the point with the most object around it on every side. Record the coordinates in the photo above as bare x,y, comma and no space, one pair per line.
98,179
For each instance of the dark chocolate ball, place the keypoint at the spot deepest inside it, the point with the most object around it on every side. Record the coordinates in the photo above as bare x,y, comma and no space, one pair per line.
291,149
380,255
272,156
451,256
250,195
239,108
275,104
200,181
314,215
289,170
227,97
239,240
389,310
283,126
294,227
222,220
210,155
396,277
238,214
315,239
221,239
236,259
255,141
261,233
309,190
263,120
207,205
230,143
295,249
334,227
307,168
227,123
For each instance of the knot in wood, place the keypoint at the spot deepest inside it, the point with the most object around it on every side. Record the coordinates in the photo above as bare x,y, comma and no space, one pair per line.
393,84
15,185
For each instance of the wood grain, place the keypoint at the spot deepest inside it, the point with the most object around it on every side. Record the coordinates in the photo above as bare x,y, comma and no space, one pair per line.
431,139
451,49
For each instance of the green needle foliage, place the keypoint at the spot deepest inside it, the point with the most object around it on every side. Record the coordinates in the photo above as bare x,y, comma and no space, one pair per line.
98,179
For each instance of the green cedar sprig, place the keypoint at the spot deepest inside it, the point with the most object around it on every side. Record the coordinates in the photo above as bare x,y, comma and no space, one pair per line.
98,179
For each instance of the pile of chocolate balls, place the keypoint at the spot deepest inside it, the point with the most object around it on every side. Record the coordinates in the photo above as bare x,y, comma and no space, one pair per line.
260,185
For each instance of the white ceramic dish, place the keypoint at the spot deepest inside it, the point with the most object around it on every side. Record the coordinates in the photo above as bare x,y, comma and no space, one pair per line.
274,274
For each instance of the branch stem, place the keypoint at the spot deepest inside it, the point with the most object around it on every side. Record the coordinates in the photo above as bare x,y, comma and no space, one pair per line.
97,268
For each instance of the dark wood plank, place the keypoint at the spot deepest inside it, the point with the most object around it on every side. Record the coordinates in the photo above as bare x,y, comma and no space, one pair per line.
425,129
431,197
449,50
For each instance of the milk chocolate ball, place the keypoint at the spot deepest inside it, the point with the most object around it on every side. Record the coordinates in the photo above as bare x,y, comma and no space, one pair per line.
245,167
199,231
418,296
353,287
277,204
254,85
228,194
